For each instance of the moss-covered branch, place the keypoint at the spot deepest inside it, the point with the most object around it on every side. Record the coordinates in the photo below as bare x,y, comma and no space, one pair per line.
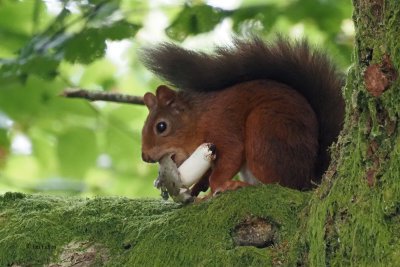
116,231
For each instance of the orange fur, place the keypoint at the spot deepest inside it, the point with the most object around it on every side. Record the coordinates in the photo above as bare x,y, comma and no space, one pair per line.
271,109
263,124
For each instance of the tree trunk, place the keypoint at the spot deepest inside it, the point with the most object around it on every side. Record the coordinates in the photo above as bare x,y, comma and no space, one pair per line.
354,216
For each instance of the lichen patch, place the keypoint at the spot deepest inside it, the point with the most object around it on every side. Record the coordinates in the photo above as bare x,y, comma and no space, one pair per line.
379,77
80,254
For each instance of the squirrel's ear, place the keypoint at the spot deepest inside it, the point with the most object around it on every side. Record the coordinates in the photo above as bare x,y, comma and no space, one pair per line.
168,97
165,95
150,100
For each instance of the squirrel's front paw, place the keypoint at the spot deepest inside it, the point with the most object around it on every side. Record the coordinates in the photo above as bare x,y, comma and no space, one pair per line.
228,186
199,199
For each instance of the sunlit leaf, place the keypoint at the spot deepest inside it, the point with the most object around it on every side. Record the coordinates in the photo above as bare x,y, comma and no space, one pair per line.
19,13
4,140
85,46
194,20
44,67
10,41
120,30
96,2
255,18
89,45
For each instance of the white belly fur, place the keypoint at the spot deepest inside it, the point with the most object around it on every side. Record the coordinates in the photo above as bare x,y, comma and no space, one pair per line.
248,177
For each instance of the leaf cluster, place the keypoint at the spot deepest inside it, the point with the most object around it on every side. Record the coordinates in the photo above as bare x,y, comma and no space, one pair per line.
81,147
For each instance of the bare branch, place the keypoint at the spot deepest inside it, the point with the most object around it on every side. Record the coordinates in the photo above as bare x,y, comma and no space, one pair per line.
103,96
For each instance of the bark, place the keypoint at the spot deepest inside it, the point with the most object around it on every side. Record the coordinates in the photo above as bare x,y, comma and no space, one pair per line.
92,95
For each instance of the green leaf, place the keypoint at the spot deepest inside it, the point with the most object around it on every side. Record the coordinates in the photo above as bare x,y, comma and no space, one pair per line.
33,59
89,45
327,15
4,140
43,66
16,23
10,42
58,23
194,20
77,151
96,2
16,16
120,30
251,17
85,46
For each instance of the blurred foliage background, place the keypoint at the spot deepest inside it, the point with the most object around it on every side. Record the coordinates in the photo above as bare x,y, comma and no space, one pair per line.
75,147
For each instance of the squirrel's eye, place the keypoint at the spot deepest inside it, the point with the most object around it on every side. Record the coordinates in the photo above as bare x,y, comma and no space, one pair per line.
161,127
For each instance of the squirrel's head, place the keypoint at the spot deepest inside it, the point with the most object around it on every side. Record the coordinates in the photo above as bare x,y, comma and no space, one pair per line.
166,128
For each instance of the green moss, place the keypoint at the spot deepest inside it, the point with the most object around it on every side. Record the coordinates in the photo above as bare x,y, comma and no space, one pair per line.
355,224
12,196
35,228
352,222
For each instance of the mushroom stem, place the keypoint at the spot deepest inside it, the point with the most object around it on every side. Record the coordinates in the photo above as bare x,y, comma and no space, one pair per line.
193,168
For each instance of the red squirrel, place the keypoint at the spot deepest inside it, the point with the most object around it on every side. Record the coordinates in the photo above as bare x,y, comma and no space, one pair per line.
271,110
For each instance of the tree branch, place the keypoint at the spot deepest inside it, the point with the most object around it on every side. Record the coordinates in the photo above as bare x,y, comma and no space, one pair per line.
103,96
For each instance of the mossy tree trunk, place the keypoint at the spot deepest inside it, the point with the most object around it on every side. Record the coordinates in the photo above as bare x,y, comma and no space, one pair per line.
354,216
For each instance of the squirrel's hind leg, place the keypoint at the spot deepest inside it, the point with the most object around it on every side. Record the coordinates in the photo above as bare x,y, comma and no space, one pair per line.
280,149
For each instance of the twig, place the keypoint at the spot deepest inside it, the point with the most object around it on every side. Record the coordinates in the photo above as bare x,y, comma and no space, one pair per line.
104,96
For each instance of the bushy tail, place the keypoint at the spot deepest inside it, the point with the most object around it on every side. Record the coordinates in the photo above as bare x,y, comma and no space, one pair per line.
308,71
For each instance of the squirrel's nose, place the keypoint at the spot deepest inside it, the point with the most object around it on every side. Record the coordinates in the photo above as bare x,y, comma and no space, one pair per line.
147,158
